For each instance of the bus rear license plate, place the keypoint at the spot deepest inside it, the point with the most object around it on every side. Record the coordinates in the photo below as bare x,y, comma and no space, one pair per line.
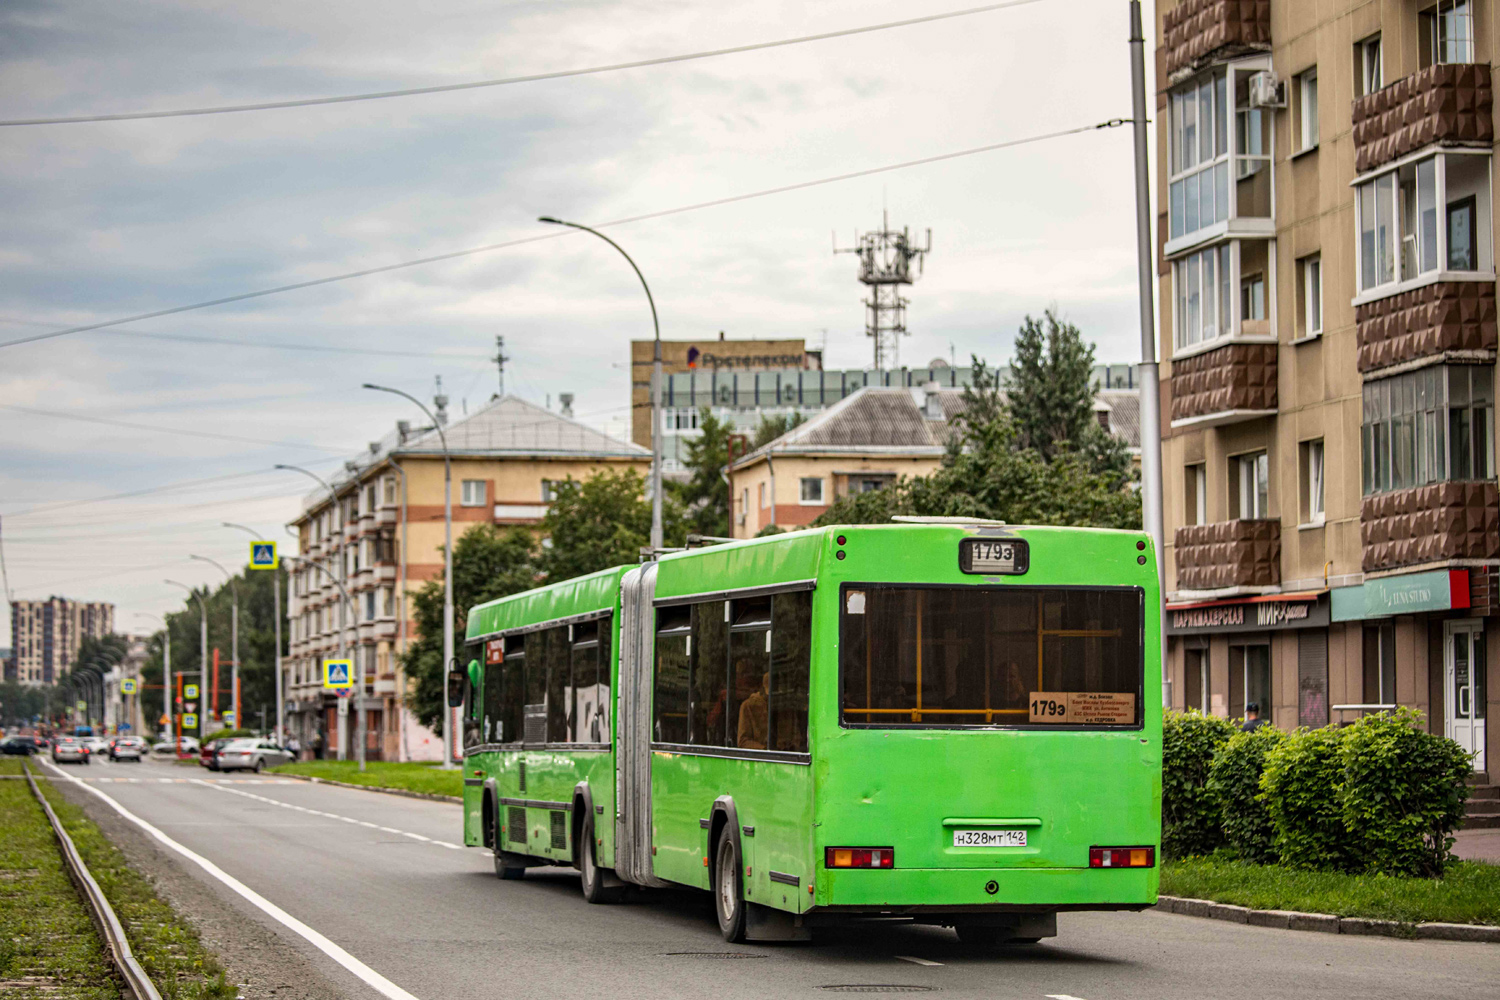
989,838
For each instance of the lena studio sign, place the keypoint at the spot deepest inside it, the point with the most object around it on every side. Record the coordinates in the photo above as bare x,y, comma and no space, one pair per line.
1255,614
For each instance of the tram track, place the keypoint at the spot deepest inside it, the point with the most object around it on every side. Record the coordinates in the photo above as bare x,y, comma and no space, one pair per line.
111,930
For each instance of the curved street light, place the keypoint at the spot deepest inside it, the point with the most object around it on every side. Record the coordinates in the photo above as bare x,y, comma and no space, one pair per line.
359,692
202,649
276,613
234,639
447,560
656,430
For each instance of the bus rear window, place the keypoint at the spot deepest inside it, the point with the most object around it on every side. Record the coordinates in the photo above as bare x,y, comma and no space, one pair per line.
955,657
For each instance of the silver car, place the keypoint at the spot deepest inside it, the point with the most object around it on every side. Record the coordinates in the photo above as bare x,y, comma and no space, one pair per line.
127,748
252,754
69,748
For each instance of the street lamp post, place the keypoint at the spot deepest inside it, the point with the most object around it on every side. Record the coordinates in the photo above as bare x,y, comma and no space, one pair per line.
276,613
359,691
447,565
656,429
166,675
202,652
234,639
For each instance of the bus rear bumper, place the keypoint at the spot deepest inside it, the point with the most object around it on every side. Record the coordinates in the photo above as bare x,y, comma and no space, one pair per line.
913,890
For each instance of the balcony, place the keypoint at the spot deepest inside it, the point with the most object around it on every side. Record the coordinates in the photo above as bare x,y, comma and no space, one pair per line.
1427,321
1197,31
1230,554
1445,103
1225,385
1438,523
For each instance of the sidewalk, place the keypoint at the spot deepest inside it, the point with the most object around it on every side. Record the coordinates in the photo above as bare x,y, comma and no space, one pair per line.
1478,845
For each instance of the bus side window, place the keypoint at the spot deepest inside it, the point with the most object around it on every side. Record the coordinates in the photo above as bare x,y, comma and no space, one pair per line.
472,735
670,696
534,710
791,656
606,706
494,683
559,686
750,672
709,708
512,722
585,692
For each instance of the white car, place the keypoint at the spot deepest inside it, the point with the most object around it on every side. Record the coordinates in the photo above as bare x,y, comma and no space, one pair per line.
167,748
96,744
251,754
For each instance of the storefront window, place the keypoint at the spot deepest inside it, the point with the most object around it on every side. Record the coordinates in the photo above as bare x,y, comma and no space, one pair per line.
1250,678
1380,664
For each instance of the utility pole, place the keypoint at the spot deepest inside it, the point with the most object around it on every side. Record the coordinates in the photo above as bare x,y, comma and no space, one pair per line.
500,358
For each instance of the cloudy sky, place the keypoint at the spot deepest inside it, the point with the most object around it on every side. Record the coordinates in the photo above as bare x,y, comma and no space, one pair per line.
115,219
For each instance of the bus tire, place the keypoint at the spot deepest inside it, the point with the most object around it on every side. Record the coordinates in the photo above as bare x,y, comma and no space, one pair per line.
729,895
592,879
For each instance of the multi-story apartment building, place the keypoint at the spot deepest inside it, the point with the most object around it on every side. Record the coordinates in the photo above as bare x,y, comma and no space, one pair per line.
381,534
45,635
1328,335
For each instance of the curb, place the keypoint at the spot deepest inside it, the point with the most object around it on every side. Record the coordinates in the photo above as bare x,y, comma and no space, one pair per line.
406,793
1327,923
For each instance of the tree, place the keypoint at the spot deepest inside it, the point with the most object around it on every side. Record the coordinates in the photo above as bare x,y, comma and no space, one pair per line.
773,425
488,563
603,521
706,494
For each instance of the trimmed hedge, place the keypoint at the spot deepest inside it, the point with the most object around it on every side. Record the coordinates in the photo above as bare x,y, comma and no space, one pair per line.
1190,815
1302,781
1234,781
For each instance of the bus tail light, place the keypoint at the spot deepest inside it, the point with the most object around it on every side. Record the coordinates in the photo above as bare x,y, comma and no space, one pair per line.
1122,857
859,857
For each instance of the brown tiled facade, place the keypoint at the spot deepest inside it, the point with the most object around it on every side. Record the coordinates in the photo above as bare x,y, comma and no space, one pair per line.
1196,29
1425,322
1236,377
1430,524
1445,103
1229,554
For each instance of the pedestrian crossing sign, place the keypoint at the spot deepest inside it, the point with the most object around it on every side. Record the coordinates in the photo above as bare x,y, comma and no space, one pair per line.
228,719
263,555
338,674
190,692
127,686
190,720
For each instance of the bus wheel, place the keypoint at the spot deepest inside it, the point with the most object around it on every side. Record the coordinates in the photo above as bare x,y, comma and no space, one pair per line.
591,879
729,900
504,869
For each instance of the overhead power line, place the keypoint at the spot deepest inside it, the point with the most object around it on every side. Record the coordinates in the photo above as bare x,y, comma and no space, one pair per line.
158,429
562,233
530,78
164,488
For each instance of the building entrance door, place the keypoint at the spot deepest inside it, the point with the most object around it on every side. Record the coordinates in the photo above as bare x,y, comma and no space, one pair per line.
1463,687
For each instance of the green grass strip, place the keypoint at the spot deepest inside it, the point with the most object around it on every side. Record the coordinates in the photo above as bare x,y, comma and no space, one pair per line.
1469,893
413,777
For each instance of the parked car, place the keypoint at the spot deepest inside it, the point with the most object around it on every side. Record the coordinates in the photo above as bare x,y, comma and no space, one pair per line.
168,748
19,746
96,744
251,754
69,748
209,755
127,748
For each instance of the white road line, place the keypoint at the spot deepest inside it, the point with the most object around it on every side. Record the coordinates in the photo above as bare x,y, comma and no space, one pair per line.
366,974
1061,996
329,815
917,961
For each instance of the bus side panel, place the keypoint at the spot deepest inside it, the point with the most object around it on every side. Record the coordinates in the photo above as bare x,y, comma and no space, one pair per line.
551,776
773,798
475,769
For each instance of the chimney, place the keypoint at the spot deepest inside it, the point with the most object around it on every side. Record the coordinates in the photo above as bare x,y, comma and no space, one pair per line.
932,403
565,400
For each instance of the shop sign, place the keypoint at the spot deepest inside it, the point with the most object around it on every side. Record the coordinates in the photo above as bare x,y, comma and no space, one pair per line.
1411,593
1254,615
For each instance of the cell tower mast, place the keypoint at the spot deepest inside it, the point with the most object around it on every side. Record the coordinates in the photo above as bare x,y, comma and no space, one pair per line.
885,264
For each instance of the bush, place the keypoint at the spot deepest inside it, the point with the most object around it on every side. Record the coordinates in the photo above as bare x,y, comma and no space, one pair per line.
1190,815
1303,781
1234,783
1403,794
228,734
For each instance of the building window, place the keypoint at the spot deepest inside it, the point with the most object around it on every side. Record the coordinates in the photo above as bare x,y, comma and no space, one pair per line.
1463,249
1195,678
1380,664
1428,426
1368,71
369,606
1250,485
1199,156
744,504
388,497
1196,494
1445,33
1307,109
684,419
812,490
1202,284
1253,297
1310,290
549,490
472,493
1397,219
1311,461
762,491
1250,679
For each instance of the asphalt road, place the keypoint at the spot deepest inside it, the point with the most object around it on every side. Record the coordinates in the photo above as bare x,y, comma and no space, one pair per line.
384,879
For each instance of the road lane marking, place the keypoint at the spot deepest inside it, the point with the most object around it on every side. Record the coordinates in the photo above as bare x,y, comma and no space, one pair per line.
917,961
1061,996
329,815
369,976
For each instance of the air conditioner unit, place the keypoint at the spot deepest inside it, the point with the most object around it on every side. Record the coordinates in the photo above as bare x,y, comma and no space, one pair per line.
1266,91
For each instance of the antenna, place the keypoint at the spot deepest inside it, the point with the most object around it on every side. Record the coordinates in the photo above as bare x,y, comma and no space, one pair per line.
500,358
885,264
440,400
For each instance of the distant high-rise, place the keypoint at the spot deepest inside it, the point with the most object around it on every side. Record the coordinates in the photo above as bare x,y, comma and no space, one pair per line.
45,635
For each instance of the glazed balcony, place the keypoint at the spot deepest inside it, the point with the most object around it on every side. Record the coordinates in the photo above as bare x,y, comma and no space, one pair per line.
1427,321
1225,385
1427,525
1229,554
1198,32
1447,103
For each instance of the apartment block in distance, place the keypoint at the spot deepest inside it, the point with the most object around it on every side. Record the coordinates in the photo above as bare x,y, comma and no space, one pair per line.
45,636
1327,301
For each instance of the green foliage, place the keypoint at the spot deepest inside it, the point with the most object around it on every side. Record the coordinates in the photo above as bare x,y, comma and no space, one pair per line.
21,703
705,496
772,426
1403,794
414,776
228,734
1303,781
1051,398
1190,817
1234,782
988,473
488,562
603,521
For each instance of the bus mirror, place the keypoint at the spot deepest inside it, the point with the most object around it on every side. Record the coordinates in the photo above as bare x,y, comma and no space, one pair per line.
456,681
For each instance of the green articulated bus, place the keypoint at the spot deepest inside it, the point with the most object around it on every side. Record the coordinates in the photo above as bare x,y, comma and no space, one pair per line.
949,722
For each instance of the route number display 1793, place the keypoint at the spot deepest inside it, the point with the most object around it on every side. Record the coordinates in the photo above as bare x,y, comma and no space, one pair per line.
991,556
